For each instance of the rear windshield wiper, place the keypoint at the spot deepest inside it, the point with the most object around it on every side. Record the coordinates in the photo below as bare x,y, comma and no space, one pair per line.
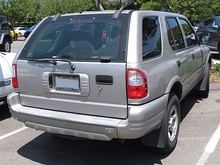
54,61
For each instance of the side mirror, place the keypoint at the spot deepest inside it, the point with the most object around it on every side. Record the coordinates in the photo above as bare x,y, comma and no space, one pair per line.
215,27
203,38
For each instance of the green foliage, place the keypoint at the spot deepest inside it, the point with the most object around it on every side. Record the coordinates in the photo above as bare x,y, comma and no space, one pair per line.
51,7
18,10
217,67
215,73
195,11
111,6
151,6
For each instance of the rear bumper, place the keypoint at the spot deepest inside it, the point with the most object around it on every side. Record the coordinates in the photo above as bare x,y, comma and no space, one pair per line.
141,120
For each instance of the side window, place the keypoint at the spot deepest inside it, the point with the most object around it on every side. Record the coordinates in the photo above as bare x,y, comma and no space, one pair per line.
214,23
151,37
3,22
174,34
190,35
208,22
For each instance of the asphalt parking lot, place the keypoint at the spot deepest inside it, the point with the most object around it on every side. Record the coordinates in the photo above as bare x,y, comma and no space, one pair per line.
198,142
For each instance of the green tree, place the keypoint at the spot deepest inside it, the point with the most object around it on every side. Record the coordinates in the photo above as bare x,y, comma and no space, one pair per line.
17,10
195,11
51,7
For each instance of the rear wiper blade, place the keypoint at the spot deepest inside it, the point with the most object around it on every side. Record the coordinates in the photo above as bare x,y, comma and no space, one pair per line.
54,61
44,60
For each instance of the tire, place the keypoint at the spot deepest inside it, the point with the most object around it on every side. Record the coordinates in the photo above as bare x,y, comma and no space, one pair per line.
172,124
205,93
5,46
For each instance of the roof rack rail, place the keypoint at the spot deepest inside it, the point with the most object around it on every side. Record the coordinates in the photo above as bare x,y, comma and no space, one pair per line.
55,17
118,12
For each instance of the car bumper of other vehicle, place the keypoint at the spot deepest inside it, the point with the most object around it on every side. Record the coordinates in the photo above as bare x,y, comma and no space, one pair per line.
141,120
3,100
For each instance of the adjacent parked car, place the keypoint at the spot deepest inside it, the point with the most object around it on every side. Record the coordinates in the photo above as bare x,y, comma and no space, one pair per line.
27,32
21,30
209,30
5,37
21,25
109,75
14,34
5,75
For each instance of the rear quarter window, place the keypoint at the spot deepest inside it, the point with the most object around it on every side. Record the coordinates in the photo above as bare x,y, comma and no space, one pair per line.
151,37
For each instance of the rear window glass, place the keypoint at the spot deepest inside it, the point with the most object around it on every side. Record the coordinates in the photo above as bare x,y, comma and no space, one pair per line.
79,38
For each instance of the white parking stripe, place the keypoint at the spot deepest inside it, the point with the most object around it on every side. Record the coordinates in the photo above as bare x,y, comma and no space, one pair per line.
12,133
210,147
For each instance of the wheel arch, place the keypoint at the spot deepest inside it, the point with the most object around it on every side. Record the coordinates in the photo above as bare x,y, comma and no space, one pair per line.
157,137
175,87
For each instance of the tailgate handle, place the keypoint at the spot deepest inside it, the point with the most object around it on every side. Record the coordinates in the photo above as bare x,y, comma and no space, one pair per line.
104,80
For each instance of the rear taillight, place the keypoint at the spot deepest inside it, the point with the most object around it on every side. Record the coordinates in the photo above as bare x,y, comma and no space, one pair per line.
136,84
14,76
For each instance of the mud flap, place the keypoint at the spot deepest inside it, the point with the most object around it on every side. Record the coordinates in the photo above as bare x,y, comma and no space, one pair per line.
155,138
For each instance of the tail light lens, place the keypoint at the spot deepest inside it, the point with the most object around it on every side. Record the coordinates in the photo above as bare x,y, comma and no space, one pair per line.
14,76
136,84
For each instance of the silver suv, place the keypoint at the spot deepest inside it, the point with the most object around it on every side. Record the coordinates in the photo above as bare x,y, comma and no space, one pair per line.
109,75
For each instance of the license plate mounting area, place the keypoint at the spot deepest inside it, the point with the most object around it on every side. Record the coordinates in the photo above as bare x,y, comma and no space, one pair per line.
67,83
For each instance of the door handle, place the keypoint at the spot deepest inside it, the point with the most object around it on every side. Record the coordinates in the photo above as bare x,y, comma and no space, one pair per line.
104,80
178,63
193,56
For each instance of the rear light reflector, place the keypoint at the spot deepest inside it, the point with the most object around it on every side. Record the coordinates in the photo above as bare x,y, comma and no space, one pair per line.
136,84
14,76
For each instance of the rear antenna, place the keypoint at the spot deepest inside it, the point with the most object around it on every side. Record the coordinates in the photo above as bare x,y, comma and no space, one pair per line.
55,17
118,12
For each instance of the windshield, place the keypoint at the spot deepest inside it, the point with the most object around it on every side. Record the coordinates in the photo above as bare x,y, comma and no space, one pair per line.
79,38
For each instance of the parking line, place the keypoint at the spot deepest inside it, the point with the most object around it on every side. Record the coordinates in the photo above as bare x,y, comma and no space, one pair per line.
210,147
12,133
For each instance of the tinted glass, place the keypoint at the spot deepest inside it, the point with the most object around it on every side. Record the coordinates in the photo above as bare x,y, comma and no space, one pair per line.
207,22
174,34
190,35
151,37
79,38
3,22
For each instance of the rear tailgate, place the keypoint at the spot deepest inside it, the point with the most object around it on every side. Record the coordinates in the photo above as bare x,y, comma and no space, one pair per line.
75,63
96,88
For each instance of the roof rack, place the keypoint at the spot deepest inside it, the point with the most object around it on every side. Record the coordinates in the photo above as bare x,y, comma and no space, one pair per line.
55,17
118,12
